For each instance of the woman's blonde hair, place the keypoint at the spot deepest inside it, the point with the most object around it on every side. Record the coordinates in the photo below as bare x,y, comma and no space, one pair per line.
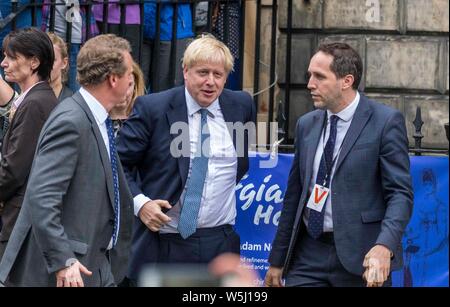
58,41
139,86
207,49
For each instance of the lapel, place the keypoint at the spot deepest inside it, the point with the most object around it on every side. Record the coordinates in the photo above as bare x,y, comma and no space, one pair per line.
360,118
231,113
312,143
39,86
6,138
178,113
101,146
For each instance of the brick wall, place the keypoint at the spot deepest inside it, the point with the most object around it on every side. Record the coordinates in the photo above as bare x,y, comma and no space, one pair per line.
405,49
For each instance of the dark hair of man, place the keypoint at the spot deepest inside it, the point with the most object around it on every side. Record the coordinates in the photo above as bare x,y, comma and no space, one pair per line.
31,42
346,61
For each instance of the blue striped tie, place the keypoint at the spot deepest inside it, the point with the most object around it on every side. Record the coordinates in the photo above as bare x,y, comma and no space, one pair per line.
113,159
315,220
193,196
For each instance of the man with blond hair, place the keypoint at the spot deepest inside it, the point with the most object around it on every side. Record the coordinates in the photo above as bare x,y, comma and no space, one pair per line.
74,228
187,161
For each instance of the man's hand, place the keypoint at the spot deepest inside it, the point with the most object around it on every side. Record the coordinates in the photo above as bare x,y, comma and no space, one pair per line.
273,277
228,267
152,216
377,263
71,276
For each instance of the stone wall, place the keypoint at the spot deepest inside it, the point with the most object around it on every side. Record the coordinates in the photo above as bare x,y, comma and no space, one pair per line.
405,49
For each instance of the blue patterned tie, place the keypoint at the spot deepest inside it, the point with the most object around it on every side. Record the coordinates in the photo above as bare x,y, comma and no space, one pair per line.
315,221
113,159
191,204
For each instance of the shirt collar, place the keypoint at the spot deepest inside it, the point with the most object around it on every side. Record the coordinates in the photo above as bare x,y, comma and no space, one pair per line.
97,109
193,107
349,111
22,96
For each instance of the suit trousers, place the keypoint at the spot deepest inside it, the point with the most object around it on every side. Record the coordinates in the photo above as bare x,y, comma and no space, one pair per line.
315,263
201,247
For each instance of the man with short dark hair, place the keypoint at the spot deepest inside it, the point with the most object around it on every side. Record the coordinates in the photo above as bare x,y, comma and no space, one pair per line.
349,195
74,228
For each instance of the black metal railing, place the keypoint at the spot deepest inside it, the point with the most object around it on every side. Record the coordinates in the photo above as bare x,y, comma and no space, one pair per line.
218,6
416,150
209,14
287,86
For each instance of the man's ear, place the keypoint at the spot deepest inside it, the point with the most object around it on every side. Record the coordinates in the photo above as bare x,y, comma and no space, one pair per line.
348,81
112,80
185,70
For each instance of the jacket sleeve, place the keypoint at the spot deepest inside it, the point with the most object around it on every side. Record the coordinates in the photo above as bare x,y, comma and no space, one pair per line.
290,204
396,182
16,163
54,166
132,142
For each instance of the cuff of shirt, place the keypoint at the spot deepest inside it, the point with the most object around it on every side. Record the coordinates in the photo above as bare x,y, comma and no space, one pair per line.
139,201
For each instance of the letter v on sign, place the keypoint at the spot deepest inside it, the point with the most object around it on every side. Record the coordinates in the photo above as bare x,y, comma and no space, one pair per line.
318,198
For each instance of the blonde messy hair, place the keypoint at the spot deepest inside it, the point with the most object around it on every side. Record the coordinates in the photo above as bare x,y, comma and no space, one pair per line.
100,57
58,41
207,49
139,86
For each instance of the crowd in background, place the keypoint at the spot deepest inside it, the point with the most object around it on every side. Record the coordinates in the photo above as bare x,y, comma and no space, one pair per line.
78,164
28,96
156,65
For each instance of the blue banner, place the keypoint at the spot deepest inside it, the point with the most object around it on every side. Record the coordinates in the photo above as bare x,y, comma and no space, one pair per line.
425,242
259,201
259,198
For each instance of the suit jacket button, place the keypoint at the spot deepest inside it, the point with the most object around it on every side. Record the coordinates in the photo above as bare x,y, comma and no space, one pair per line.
111,222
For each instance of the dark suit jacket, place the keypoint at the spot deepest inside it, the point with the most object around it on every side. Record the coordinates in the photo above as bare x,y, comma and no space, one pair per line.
68,206
66,92
18,150
371,190
144,143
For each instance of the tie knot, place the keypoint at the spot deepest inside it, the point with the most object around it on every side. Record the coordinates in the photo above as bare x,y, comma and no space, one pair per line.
108,122
203,112
333,120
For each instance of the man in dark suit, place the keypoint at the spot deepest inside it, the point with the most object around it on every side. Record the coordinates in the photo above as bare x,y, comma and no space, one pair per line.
187,161
349,195
74,228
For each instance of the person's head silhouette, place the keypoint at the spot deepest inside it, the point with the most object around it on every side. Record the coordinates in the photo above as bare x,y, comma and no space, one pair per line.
429,181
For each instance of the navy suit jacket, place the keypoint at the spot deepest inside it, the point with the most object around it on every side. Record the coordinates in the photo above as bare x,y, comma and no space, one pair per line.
371,190
144,147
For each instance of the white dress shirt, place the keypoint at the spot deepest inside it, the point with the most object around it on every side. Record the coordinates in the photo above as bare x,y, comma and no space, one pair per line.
100,114
345,119
218,204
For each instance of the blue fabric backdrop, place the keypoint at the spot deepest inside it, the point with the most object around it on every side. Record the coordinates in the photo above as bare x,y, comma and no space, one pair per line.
259,202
